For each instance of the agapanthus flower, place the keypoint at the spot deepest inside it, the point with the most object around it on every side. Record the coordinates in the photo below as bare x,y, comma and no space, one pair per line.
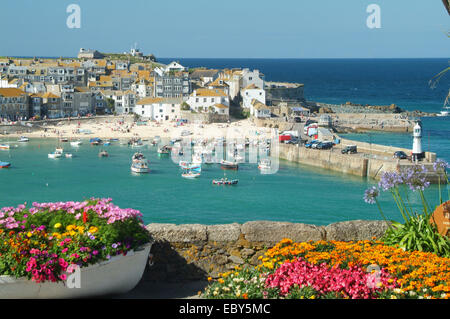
390,180
371,194
440,165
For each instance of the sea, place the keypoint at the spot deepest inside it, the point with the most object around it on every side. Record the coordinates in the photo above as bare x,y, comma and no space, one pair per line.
296,193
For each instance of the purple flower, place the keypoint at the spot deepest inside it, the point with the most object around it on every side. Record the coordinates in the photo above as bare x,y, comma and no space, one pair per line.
114,246
440,165
371,194
390,180
415,178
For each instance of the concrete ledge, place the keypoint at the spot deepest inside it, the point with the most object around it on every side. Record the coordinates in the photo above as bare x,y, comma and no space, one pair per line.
196,252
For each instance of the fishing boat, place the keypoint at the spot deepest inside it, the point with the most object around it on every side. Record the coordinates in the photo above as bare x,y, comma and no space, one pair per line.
140,167
5,146
76,143
225,181
229,165
103,154
5,164
23,139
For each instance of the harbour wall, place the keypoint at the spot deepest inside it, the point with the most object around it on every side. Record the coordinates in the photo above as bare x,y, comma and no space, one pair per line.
196,252
376,160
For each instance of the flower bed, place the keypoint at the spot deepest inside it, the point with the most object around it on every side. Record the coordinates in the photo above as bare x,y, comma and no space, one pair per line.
357,270
46,242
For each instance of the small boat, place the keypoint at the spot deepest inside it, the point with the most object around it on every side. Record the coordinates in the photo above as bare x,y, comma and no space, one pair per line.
103,154
138,157
23,139
5,164
445,111
68,155
264,164
229,165
190,175
5,146
140,167
165,150
225,181
64,139
95,141
76,143
56,154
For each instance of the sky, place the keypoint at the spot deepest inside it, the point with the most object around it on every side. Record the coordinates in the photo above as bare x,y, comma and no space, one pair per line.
227,29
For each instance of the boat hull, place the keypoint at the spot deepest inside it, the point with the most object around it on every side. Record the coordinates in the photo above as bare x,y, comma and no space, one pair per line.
118,275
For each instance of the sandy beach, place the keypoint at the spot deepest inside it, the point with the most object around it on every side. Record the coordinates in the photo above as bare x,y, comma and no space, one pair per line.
120,127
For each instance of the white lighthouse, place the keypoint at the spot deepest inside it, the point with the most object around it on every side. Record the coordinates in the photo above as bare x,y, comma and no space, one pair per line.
417,153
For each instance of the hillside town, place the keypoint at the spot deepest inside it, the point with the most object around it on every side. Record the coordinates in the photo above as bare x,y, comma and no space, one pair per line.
131,83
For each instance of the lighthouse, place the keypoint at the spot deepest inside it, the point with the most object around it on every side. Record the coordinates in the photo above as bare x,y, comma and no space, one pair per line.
417,153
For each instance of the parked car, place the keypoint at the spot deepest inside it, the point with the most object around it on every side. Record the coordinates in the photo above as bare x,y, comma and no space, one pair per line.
324,145
293,140
310,144
349,149
400,155
310,122
297,119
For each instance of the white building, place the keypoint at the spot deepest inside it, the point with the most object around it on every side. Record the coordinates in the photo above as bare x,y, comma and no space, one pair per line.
175,67
252,78
206,100
124,101
260,110
159,109
250,93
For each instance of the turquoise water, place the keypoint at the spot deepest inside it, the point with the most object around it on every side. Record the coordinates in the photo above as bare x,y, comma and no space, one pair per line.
295,194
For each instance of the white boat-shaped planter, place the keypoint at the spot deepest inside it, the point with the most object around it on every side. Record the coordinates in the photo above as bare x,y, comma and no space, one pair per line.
118,275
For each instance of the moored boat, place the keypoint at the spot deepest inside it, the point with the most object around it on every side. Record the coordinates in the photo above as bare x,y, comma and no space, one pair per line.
190,175
76,143
225,181
23,139
95,141
5,164
5,146
229,165
56,154
165,150
264,164
103,154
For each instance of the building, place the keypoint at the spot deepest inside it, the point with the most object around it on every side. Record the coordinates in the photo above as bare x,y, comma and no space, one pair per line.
13,104
206,100
159,109
250,93
260,110
174,67
89,54
124,101
51,105
172,85
204,76
252,78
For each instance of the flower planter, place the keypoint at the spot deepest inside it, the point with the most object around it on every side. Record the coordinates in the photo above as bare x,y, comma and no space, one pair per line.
119,274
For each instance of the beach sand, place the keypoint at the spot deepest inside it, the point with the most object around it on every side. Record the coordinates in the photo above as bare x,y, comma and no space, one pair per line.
124,128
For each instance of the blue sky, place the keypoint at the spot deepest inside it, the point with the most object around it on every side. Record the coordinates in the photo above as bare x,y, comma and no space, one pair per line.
227,29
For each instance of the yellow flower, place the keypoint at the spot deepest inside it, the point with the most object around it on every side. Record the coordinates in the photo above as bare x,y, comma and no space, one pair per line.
71,227
29,234
93,229
57,225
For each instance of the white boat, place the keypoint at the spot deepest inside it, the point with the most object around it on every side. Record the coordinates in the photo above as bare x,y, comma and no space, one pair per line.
264,164
76,143
118,275
68,155
140,167
56,154
190,175
23,139
445,111
4,147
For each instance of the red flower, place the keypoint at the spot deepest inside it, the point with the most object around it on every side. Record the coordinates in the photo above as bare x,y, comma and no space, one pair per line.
84,217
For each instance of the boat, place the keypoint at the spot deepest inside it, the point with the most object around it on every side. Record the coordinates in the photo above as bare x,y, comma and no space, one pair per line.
76,143
190,166
225,181
5,146
264,164
229,165
64,139
56,154
5,164
103,154
23,139
68,155
190,175
445,111
140,167
165,150
95,141
135,142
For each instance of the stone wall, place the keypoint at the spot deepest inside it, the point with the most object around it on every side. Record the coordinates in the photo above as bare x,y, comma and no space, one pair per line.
205,118
196,252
